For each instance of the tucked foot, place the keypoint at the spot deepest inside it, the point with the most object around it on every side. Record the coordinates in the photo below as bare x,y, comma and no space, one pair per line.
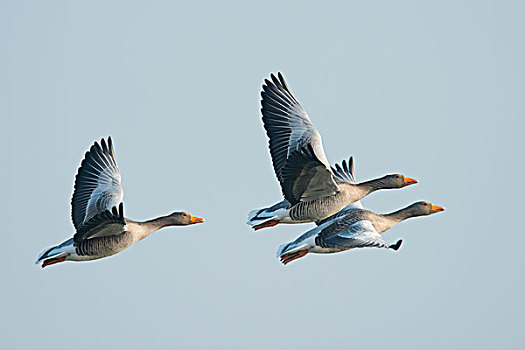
268,223
53,261
396,245
286,258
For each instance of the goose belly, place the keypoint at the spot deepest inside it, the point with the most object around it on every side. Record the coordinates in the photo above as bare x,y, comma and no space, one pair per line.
326,250
100,247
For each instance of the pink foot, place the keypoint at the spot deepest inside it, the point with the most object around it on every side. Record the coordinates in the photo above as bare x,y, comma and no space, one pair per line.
53,261
286,258
268,223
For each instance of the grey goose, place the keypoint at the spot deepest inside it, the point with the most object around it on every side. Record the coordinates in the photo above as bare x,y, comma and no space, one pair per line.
352,227
97,212
312,189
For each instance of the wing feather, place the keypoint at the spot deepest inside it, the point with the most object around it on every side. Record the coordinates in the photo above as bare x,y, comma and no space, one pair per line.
97,184
107,223
306,178
286,123
359,234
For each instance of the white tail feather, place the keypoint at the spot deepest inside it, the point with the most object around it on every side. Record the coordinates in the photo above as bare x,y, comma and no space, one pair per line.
292,248
57,251
253,218
279,212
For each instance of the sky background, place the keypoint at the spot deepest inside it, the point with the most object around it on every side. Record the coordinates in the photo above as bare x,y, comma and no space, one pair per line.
430,90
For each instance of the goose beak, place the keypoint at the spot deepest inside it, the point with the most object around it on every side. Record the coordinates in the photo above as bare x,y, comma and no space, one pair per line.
409,181
195,220
436,209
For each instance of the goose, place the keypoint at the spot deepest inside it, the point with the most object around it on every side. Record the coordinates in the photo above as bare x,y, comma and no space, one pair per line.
312,189
352,228
97,212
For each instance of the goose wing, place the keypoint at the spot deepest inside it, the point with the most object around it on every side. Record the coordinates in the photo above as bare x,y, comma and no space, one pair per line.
107,223
305,178
345,171
358,234
291,133
97,184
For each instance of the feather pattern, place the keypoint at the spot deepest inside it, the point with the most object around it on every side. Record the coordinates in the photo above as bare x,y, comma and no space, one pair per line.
98,213
345,171
305,178
295,145
349,229
97,184
107,223
349,232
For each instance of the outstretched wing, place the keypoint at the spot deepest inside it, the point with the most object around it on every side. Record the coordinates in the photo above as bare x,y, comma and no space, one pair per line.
107,223
97,184
287,124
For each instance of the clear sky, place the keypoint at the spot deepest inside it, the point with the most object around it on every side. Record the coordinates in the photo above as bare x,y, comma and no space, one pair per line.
433,90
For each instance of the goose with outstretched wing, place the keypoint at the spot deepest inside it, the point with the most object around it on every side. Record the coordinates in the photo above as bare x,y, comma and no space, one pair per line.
97,212
311,189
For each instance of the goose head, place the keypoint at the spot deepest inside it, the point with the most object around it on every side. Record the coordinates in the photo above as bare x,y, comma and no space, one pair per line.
424,208
183,218
397,181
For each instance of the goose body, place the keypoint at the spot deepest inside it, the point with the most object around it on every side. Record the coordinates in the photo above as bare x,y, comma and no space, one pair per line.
312,189
351,228
98,213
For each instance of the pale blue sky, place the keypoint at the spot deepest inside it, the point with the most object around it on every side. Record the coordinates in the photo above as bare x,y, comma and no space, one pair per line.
433,90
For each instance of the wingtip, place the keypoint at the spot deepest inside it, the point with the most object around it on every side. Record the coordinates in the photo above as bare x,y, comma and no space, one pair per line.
396,245
121,210
110,144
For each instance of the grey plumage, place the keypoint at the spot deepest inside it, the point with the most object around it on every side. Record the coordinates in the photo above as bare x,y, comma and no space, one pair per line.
98,212
313,189
97,183
294,145
352,228
106,223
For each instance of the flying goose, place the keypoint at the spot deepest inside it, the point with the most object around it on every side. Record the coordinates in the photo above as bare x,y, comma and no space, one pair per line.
352,228
312,190
98,213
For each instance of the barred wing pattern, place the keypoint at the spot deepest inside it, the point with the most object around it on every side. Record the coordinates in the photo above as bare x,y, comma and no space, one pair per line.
293,137
97,184
107,223
360,234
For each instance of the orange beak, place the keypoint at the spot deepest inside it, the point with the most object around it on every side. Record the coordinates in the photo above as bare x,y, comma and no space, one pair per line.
436,209
409,181
196,220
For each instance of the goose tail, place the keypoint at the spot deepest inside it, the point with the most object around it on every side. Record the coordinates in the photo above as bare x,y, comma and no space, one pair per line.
56,253
257,216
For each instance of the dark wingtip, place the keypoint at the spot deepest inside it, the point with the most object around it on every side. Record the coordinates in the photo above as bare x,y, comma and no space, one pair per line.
274,79
96,146
396,245
281,79
121,210
103,144
110,145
